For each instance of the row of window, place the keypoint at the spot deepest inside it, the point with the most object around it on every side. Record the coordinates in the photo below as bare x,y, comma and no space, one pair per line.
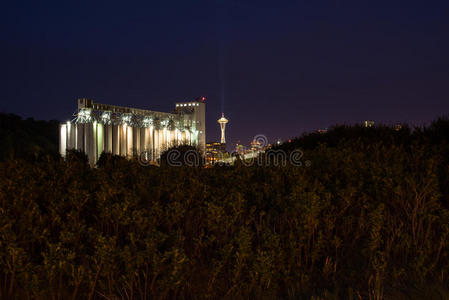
187,104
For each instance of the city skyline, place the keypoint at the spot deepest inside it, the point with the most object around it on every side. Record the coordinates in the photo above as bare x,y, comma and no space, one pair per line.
278,70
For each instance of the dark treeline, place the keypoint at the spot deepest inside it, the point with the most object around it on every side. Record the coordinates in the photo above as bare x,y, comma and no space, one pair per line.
27,138
368,219
436,133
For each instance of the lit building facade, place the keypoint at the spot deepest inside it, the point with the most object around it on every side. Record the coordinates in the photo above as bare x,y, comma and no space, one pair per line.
256,146
240,149
130,132
214,152
368,123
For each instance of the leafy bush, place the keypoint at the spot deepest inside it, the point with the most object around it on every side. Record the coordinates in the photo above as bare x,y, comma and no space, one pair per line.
367,220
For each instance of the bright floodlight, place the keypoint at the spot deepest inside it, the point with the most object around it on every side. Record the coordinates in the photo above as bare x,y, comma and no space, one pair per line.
147,122
126,119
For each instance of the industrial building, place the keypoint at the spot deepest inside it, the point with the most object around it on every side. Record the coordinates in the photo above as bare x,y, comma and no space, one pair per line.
129,132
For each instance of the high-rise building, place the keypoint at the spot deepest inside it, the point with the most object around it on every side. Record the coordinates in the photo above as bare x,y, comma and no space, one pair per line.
214,152
223,121
128,132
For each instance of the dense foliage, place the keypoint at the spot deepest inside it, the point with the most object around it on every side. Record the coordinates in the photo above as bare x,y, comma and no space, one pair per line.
26,138
368,219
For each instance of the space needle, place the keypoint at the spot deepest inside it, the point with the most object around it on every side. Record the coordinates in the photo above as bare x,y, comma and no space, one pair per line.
223,121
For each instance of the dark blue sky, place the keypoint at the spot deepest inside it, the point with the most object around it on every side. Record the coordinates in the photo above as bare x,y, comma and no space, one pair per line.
280,67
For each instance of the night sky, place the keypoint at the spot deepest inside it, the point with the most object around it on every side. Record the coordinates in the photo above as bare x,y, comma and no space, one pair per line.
277,68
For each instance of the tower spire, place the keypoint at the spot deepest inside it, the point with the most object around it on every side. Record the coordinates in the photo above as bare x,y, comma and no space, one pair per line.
223,121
